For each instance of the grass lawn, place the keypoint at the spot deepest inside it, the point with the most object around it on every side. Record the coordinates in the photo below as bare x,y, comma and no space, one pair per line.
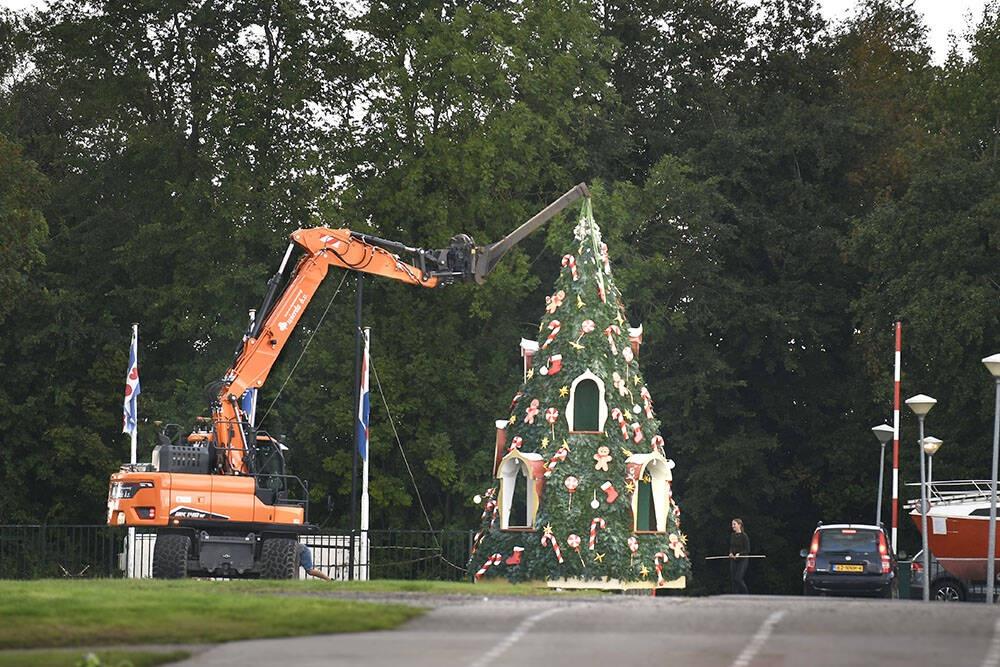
107,612
66,658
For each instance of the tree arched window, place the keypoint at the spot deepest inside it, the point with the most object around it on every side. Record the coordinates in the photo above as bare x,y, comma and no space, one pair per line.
650,474
521,478
587,410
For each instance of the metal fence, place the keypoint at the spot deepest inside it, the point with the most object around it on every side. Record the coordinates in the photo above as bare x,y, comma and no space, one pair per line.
35,552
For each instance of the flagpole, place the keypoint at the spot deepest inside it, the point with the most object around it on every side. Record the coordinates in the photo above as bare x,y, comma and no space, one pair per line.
359,301
363,574
897,369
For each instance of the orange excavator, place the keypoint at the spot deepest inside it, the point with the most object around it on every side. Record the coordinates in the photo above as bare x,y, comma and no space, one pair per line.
219,497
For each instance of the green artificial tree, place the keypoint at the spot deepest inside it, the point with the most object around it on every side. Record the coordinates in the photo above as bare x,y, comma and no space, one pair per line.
581,493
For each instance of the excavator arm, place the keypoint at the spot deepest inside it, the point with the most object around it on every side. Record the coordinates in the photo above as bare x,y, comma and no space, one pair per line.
462,261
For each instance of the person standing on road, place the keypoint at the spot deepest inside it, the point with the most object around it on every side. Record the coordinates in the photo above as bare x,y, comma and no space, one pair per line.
739,549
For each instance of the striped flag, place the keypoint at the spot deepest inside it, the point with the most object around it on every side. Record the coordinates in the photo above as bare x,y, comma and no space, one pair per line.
131,404
363,404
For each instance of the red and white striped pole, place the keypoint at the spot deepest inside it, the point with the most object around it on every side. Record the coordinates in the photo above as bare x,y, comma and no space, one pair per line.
895,436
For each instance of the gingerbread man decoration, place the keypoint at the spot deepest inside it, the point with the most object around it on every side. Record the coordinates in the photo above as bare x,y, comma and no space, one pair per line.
676,545
603,458
531,412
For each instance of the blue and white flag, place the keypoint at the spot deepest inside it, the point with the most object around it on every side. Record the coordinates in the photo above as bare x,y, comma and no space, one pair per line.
249,405
131,405
363,404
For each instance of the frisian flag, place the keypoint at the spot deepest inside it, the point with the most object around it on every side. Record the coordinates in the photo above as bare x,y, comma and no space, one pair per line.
131,405
363,404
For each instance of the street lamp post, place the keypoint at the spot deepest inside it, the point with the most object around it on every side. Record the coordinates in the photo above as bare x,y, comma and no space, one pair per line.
931,446
884,434
992,364
921,405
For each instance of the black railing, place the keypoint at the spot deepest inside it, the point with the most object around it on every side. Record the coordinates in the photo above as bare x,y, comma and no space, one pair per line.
35,552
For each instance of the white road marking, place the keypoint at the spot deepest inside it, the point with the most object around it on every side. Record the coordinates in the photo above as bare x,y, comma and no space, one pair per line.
748,654
993,656
507,641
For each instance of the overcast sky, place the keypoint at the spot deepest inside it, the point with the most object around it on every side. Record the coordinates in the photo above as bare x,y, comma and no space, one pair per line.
941,16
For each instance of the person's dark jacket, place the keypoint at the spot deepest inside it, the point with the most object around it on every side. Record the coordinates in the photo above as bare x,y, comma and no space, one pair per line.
739,544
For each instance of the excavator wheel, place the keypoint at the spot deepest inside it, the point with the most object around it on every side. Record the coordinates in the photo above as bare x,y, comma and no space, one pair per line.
170,556
279,558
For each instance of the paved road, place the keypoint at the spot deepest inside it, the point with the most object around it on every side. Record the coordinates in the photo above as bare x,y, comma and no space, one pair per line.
614,631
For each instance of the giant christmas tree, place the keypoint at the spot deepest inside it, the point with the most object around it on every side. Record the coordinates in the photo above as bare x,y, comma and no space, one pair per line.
581,493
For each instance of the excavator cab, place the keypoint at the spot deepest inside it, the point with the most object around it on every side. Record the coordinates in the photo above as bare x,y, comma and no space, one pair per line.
267,465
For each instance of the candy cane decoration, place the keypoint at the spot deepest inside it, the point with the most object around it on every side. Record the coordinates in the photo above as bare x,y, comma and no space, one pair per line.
570,261
617,415
556,459
614,329
495,559
549,538
658,560
554,327
595,523
647,401
657,443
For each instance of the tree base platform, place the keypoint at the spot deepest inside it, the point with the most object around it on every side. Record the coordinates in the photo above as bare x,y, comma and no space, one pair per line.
615,584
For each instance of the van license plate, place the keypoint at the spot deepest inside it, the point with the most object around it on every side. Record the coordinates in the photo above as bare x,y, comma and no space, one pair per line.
844,567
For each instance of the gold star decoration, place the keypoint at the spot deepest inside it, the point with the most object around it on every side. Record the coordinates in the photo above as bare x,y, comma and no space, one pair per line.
647,479
513,418
548,529
626,452
644,571
541,325
545,442
684,539
598,558
531,373
565,445
563,391
630,487
621,320
635,378
579,303
576,346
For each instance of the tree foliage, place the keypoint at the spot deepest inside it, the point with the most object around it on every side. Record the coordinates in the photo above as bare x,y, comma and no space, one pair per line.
775,192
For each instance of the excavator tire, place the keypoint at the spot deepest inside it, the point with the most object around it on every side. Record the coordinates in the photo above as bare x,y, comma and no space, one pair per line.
170,556
279,558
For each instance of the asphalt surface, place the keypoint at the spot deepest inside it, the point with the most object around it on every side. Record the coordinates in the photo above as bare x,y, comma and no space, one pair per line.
610,631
